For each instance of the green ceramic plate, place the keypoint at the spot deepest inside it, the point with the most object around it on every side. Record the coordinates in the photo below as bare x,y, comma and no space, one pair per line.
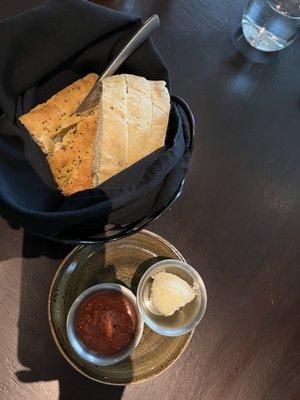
123,262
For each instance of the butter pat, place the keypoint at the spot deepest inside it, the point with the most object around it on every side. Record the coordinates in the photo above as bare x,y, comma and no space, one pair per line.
169,293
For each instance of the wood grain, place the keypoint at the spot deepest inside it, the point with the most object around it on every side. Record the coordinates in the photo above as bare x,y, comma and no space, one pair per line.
238,223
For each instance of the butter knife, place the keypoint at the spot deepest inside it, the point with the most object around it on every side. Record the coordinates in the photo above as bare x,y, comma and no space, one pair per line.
143,33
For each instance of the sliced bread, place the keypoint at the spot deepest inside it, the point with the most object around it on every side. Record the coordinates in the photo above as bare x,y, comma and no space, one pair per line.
111,144
160,115
138,118
133,121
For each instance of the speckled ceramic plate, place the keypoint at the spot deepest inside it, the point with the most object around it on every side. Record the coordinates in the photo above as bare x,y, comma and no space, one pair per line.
123,262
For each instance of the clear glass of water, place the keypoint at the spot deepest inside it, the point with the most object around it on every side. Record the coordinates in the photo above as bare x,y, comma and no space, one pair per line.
271,25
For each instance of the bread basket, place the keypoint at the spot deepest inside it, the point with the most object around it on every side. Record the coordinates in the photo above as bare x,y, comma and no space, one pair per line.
28,195
118,231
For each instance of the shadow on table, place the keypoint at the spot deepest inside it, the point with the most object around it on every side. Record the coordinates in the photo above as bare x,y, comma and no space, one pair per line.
36,349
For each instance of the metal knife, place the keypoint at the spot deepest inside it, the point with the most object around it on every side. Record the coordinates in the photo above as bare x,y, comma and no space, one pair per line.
143,33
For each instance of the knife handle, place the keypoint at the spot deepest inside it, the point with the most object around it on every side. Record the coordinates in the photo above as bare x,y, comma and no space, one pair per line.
146,29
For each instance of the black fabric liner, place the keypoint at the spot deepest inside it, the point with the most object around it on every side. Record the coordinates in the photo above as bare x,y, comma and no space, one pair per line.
43,51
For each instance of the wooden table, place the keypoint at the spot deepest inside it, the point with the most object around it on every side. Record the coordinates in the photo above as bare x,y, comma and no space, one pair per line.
237,222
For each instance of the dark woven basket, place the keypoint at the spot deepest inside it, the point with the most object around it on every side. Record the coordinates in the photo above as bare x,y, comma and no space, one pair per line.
117,231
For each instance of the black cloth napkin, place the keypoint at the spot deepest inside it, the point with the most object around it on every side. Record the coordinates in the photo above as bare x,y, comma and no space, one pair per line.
41,52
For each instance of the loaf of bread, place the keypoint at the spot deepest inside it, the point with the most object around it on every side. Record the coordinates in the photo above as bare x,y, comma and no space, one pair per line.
84,151
133,120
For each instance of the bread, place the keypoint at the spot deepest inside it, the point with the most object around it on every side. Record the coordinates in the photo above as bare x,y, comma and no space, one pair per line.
160,115
111,144
133,120
46,121
71,162
139,116
66,139
129,123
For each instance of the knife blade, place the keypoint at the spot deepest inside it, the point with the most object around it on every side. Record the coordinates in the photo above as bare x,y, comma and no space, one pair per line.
142,34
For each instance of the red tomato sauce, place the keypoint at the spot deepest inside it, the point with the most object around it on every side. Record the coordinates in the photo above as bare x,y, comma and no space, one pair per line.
106,321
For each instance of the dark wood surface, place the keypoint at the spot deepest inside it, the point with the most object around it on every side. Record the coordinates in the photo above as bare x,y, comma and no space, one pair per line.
237,222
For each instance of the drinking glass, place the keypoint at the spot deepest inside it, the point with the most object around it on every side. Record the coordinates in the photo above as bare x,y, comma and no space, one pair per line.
271,25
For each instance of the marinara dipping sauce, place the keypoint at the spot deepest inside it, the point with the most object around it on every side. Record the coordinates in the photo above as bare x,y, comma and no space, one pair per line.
106,321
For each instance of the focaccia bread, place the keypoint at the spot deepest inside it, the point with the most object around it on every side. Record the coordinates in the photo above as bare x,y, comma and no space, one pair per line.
45,121
71,161
65,138
133,121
